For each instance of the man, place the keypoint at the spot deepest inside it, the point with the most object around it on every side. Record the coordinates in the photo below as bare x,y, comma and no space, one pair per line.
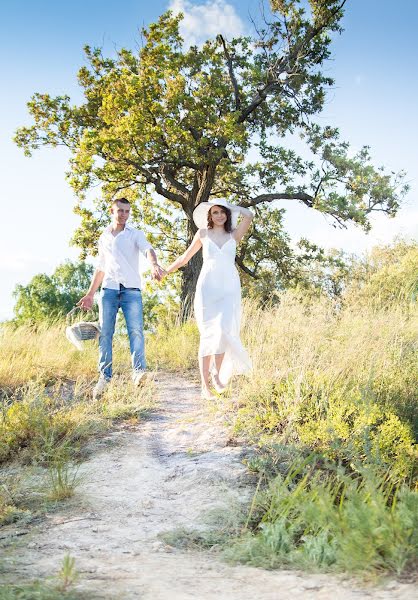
118,273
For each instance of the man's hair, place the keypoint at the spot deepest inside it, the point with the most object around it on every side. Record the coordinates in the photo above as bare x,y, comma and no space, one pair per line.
121,200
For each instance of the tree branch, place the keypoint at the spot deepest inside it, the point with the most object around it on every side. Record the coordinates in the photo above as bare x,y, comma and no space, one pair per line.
244,268
286,65
169,178
257,100
302,196
231,72
155,179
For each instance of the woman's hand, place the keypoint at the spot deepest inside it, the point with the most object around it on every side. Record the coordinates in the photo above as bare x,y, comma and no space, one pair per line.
163,273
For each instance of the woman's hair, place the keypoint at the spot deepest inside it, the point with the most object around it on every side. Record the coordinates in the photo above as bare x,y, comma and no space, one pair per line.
228,222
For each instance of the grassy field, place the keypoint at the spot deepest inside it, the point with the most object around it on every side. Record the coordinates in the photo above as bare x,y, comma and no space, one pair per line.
330,409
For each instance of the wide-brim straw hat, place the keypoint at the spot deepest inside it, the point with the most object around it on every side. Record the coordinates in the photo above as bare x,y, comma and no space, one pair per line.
200,213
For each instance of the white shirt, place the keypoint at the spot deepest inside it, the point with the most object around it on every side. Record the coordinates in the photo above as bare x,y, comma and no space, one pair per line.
119,257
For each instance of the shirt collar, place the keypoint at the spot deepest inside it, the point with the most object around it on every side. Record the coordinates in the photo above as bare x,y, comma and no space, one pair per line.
128,227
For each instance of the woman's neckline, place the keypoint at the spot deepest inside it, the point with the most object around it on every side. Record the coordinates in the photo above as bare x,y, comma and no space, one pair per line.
217,245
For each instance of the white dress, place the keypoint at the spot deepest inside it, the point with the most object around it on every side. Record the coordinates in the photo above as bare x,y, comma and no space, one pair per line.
217,307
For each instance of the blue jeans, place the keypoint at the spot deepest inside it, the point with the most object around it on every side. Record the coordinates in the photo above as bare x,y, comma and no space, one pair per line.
130,301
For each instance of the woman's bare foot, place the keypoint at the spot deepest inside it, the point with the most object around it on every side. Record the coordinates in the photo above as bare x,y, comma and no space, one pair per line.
206,394
217,384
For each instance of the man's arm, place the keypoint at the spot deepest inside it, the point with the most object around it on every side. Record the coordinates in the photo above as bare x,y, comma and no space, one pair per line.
156,270
86,301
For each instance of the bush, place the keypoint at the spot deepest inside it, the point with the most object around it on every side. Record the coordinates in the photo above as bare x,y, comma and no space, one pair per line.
47,298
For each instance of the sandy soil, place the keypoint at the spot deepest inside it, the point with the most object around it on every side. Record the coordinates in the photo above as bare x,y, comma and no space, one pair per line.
169,472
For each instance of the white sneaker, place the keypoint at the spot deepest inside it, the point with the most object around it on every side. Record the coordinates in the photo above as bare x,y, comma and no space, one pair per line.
99,388
139,377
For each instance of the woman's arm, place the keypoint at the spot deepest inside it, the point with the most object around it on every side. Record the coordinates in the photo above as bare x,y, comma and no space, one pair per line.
244,224
184,258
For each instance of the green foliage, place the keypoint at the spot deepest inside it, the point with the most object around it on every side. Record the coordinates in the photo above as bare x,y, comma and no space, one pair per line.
344,422
336,418
329,520
387,277
48,298
172,126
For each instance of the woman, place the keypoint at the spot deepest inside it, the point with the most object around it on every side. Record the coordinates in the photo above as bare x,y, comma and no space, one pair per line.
217,302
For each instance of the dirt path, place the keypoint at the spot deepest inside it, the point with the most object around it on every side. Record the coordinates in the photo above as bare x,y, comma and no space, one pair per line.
165,474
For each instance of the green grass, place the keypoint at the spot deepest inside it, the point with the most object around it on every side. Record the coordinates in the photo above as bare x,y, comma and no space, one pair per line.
318,520
339,382
40,424
174,348
38,591
44,431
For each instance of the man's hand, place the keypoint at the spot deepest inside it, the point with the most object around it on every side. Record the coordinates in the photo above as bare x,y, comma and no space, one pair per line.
157,272
86,302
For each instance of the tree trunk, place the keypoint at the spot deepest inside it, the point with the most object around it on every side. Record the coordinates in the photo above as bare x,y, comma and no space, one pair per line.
190,274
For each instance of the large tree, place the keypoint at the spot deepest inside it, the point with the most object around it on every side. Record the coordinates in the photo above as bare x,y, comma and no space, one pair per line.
171,127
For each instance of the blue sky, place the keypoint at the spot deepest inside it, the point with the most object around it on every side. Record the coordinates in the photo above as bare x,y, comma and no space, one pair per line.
373,102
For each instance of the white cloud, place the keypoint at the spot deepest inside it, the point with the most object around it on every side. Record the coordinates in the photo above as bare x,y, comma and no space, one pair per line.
207,20
300,221
353,239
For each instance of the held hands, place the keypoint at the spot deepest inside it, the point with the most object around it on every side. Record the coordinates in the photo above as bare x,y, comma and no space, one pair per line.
157,272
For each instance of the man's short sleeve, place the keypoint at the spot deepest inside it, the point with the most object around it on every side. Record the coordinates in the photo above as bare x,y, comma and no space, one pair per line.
142,242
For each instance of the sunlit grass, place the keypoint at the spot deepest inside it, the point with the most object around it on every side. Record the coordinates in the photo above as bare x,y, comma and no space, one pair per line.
336,380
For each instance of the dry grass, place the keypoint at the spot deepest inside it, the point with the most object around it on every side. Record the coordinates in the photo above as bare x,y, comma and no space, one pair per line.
342,381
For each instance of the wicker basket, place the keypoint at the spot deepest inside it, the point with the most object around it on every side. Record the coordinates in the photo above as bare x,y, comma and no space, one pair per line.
79,331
